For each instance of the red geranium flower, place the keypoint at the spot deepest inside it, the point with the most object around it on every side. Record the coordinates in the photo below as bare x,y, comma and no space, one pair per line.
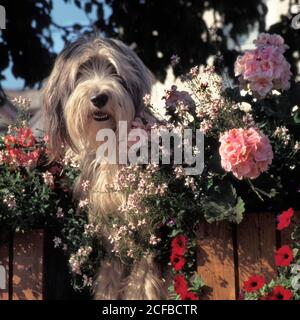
189,296
254,283
284,219
25,137
9,141
177,261
284,256
280,293
14,154
179,245
180,284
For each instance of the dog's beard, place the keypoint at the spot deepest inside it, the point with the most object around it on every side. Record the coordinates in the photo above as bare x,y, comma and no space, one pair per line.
84,120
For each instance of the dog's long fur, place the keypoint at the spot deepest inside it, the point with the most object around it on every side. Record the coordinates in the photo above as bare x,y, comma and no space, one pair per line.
83,69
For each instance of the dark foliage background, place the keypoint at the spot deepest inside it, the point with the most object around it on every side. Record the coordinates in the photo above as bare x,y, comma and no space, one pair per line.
152,26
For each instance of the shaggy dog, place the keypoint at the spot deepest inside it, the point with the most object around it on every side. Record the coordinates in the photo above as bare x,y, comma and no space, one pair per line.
95,84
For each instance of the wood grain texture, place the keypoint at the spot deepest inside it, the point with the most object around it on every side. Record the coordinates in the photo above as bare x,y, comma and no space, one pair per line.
256,239
4,271
28,266
216,260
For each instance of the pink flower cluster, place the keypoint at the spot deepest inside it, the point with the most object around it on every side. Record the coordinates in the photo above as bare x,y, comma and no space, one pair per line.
264,68
179,102
245,152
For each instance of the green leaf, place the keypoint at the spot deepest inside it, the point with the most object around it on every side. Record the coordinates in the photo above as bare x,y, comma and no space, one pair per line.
175,232
197,282
222,203
297,117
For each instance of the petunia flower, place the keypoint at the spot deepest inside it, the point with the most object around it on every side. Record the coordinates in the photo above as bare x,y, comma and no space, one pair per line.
284,256
284,219
177,261
254,283
280,293
180,284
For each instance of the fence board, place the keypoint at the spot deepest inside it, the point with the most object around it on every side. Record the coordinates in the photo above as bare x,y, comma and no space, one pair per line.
28,266
4,273
256,239
216,261
225,258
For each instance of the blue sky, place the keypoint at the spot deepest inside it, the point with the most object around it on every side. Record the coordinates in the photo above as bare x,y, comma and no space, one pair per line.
63,14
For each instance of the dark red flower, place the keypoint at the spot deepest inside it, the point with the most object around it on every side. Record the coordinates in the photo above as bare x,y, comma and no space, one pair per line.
179,251
180,284
241,296
189,296
254,283
280,293
179,244
284,256
284,219
177,261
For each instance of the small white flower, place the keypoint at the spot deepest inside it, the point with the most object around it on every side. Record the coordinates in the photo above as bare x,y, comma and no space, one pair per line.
10,201
154,240
295,269
83,203
48,178
75,264
276,92
90,229
87,281
85,185
178,170
147,99
57,242
131,226
1,157
59,213
130,253
244,106
84,251
295,282
190,183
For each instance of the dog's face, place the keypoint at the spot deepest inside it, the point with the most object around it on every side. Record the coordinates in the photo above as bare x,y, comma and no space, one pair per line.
94,85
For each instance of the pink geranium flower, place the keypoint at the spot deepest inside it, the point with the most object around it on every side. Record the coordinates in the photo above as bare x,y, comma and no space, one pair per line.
245,152
264,68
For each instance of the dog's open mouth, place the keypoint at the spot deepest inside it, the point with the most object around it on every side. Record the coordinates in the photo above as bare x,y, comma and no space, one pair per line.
100,116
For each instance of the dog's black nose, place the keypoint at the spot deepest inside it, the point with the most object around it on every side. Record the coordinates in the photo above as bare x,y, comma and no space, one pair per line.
99,100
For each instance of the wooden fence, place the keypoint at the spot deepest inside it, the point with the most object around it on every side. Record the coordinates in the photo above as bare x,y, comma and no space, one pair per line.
228,254
22,267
